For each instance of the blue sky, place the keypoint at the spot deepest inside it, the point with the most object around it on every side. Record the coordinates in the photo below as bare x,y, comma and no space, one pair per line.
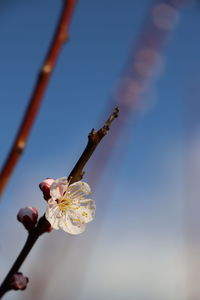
139,227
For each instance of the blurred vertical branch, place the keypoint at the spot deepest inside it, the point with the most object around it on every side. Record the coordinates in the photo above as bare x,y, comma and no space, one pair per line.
60,36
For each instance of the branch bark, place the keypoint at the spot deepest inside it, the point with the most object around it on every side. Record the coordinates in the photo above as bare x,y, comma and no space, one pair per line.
31,239
60,36
94,139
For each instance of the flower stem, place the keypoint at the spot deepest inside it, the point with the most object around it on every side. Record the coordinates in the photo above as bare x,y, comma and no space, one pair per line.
31,239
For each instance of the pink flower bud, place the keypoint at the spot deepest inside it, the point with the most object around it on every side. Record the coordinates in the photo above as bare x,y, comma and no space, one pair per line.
45,187
28,217
18,281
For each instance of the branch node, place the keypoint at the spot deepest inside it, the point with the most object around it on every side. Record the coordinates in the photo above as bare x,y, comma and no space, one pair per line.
92,132
107,124
64,36
47,68
20,146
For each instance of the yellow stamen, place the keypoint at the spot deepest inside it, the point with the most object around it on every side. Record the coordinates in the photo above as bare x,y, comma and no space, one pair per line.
76,220
64,204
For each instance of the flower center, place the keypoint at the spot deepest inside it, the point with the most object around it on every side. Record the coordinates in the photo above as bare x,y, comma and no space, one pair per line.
64,204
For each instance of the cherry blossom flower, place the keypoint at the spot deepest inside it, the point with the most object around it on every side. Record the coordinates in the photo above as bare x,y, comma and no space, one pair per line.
69,207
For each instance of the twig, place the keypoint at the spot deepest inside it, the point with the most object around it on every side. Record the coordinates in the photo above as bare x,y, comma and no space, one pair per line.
60,36
94,139
31,239
76,174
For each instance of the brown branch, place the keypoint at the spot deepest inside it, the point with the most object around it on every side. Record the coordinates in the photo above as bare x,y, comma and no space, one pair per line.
94,139
76,174
60,36
43,224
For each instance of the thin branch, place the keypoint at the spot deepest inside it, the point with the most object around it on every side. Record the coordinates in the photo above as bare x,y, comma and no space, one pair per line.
31,239
76,174
60,36
94,139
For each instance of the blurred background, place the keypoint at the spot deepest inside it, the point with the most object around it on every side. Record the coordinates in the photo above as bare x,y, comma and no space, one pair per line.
143,56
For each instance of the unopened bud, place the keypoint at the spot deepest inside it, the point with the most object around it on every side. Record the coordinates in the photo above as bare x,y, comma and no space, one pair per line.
45,187
18,281
28,217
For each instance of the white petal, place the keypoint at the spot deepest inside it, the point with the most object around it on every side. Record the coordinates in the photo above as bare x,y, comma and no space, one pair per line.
87,203
55,191
71,227
79,189
58,187
85,213
53,215
63,183
54,223
84,210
